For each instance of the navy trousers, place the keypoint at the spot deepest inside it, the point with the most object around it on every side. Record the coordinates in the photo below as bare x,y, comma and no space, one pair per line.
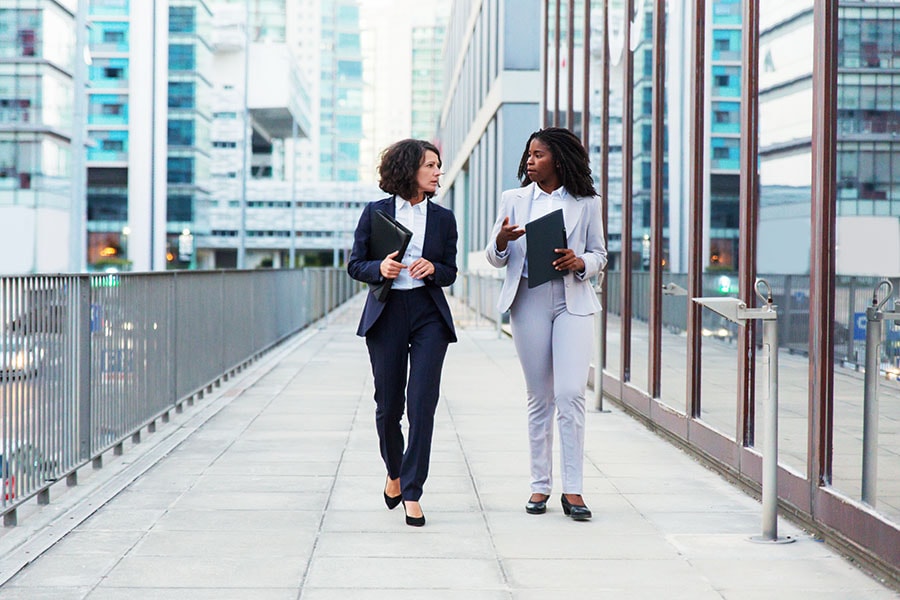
407,346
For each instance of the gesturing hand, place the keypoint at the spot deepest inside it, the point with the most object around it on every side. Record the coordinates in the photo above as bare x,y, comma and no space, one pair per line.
507,234
390,268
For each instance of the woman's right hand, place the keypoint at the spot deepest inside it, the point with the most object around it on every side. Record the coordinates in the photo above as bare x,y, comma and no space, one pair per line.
508,233
390,268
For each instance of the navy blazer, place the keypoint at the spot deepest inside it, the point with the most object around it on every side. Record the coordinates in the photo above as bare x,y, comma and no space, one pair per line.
439,248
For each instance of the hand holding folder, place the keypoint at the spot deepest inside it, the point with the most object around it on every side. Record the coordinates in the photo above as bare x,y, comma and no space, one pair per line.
388,235
542,237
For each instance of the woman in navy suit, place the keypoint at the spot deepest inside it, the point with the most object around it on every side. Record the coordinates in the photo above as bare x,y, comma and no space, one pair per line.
411,329
552,324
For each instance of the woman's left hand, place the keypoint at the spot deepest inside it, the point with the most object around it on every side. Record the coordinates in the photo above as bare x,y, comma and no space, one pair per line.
421,269
568,260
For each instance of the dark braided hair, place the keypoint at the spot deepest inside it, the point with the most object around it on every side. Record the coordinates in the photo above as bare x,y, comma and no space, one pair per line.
571,159
400,163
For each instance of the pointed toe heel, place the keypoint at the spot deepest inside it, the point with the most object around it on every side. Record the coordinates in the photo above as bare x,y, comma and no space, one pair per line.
392,502
413,521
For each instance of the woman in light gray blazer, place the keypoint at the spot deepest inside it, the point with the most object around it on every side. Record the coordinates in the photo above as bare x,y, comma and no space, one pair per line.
552,324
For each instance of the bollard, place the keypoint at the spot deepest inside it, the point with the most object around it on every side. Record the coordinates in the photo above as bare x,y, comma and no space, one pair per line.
736,311
875,318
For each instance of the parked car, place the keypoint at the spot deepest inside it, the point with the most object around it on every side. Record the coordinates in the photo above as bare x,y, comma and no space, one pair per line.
19,357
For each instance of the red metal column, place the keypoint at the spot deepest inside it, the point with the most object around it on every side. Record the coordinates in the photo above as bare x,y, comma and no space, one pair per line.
556,42
570,67
546,39
627,170
657,162
749,215
695,227
586,90
822,259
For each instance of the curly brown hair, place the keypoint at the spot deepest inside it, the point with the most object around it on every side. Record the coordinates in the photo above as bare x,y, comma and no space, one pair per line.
572,163
399,164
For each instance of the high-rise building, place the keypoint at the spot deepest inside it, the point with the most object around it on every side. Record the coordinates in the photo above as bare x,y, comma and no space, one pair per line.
189,120
126,116
37,70
427,78
493,88
260,103
403,73
341,90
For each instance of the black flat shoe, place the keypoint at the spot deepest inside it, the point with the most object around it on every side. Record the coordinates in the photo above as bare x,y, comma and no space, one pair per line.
575,511
537,507
413,521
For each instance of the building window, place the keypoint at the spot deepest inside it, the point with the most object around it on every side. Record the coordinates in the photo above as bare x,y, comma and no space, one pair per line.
180,170
182,19
182,57
182,94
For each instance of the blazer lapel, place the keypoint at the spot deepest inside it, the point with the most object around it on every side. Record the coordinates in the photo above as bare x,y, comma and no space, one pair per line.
431,245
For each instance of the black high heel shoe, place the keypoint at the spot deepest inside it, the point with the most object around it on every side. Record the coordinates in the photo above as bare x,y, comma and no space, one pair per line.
392,501
413,521
537,507
575,511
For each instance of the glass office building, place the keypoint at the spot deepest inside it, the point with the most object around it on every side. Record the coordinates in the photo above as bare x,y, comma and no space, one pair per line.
189,118
37,48
341,92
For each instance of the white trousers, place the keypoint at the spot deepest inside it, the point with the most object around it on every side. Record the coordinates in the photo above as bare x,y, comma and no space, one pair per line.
554,348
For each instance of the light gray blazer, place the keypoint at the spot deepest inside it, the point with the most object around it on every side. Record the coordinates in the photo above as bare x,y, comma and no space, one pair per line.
584,229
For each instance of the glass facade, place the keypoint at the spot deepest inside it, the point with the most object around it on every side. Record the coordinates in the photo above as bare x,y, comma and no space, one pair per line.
341,86
806,206
36,95
188,163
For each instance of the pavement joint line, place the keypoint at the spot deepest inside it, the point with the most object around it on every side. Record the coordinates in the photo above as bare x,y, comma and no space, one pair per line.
80,503
481,509
315,545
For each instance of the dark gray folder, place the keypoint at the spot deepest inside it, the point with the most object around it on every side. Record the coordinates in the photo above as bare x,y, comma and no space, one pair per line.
542,237
388,235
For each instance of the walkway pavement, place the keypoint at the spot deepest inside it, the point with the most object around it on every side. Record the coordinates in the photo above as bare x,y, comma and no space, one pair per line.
270,489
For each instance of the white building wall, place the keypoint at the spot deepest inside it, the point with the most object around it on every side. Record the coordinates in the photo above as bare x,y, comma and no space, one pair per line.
147,134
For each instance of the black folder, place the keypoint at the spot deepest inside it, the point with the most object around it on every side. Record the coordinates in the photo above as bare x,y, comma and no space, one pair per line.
388,235
542,237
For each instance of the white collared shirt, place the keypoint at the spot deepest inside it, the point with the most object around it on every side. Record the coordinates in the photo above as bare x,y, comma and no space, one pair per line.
414,218
542,204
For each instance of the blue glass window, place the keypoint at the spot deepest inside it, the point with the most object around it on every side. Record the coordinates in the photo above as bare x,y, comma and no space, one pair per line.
180,208
182,19
181,132
182,94
182,57
180,169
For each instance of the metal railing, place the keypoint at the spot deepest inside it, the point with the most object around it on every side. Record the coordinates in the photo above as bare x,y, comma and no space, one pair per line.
87,361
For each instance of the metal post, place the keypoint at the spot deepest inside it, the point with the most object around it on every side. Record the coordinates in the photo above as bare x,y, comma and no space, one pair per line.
599,357
874,329
875,318
770,434
736,311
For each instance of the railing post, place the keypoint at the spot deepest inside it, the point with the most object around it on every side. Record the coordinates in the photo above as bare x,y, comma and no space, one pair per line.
875,318
736,311
83,366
